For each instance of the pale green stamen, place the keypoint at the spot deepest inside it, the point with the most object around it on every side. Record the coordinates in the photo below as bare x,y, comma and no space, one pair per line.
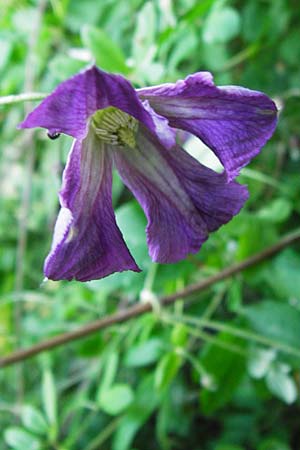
115,127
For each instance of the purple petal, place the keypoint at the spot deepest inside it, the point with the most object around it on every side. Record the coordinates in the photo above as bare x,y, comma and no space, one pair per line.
182,199
87,243
166,135
234,122
68,108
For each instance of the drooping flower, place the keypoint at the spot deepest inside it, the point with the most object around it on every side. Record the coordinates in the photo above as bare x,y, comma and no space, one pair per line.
134,130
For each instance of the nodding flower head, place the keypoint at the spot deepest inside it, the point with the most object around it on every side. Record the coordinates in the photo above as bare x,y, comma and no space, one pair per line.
114,125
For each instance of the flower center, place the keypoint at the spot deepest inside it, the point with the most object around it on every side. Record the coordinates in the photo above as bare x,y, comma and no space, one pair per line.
115,127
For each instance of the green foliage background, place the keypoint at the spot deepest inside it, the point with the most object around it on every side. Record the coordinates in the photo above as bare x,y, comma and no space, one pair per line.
218,373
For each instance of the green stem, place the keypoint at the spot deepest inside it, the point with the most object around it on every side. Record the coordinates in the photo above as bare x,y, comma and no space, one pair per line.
199,333
214,304
263,178
104,435
244,334
19,98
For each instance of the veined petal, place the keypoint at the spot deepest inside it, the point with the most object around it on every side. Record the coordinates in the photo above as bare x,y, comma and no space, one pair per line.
182,199
165,134
87,243
234,122
69,107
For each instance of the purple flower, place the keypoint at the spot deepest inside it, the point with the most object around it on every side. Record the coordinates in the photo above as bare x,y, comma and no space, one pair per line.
134,131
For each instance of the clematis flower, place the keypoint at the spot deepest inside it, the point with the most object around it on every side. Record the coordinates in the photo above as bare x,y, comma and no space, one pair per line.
114,125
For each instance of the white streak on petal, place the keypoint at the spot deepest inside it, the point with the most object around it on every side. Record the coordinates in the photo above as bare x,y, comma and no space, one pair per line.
62,226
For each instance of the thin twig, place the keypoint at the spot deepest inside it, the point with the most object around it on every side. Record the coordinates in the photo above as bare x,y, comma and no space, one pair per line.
142,308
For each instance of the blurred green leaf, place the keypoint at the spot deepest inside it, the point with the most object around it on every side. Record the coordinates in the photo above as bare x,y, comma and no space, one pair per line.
283,275
6,48
116,398
143,406
19,439
276,211
179,335
106,52
144,34
282,384
221,25
167,369
260,361
227,369
144,353
109,374
33,420
279,321
235,295
49,396
63,67
273,444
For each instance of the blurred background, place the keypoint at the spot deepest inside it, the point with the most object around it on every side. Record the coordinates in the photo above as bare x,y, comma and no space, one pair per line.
220,372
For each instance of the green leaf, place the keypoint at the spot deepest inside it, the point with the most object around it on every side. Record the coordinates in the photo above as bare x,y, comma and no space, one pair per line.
49,396
215,55
106,52
110,371
279,321
273,444
33,420
222,24
227,369
62,67
260,361
144,35
281,384
115,399
276,211
20,439
185,45
145,353
6,49
166,370
283,275
146,400
179,335
235,295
